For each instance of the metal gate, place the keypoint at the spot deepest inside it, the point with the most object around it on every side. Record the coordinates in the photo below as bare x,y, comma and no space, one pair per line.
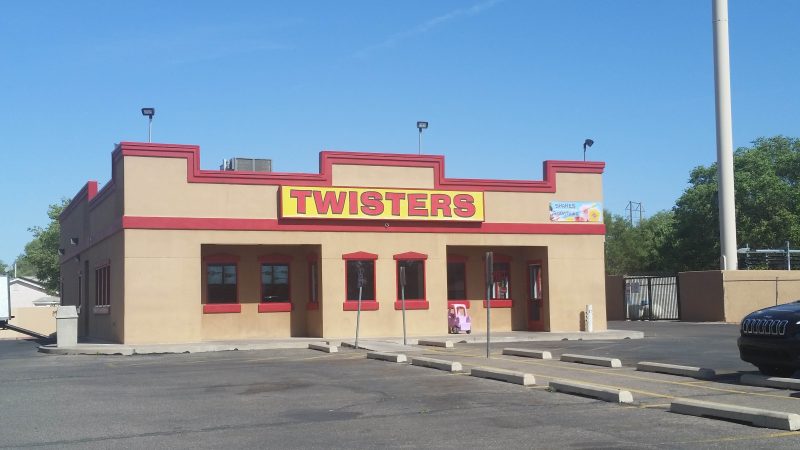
651,298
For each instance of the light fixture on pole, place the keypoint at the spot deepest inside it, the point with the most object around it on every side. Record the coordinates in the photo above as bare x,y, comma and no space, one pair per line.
421,126
586,143
149,112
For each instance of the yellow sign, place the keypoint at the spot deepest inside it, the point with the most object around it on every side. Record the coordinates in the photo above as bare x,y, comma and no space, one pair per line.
382,204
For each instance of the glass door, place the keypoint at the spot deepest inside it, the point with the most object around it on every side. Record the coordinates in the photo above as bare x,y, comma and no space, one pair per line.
535,298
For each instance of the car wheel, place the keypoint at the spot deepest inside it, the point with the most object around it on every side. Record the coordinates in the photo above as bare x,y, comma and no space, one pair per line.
777,371
469,331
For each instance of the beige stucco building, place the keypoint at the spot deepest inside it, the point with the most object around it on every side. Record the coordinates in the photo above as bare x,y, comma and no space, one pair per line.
167,252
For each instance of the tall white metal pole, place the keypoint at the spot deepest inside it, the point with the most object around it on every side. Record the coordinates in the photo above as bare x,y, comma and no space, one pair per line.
150,129
722,81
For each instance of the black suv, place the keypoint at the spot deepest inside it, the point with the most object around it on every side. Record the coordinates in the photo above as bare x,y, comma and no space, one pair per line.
770,339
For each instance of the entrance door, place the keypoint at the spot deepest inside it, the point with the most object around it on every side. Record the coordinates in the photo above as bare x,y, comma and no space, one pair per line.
535,299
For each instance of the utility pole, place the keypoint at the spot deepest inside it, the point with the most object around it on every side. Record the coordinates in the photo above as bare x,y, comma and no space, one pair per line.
722,84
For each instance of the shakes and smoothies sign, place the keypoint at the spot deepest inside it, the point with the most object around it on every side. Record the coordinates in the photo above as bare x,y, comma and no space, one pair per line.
300,202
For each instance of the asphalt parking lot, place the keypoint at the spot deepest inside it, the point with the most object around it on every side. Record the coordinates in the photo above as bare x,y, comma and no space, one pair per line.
295,398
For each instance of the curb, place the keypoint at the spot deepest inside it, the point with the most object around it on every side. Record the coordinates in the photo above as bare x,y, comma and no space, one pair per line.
773,382
588,390
593,360
525,353
673,369
440,364
445,344
508,376
391,357
324,348
758,417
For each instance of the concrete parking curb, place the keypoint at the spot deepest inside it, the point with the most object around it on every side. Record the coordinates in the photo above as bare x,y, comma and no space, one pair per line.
593,360
86,350
773,382
538,354
509,376
324,348
588,390
391,357
447,366
758,417
673,369
445,343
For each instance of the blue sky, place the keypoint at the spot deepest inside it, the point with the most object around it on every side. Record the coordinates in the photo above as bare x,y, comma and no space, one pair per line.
504,84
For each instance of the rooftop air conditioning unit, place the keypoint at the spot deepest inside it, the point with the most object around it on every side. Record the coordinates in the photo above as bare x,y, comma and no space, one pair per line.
247,165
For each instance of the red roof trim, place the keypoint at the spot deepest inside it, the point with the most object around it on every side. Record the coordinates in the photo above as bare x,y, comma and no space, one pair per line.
89,191
411,255
328,158
360,255
230,224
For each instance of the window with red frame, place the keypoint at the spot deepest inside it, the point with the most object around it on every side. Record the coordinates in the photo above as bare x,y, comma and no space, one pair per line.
102,286
221,283
501,281
456,280
274,283
415,279
360,269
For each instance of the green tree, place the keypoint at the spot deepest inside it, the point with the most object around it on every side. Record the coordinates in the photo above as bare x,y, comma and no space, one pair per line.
42,252
646,248
767,183
3,267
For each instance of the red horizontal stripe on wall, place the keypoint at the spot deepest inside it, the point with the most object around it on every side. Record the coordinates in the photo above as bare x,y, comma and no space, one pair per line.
412,304
232,224
366,305
499,304
222,308
274,307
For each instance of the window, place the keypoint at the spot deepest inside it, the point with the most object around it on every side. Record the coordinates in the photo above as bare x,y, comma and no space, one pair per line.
360,277
414,272
221,283
500,291
411,269
501,281
102,287
456,280
274,283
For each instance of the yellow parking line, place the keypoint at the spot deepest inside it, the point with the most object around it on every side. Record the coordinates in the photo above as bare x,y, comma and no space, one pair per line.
651,380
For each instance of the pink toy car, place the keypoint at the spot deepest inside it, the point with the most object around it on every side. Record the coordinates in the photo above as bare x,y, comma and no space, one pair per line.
458,319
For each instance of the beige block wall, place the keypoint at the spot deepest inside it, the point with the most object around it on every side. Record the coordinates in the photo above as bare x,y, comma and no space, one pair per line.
40,319
750,290
382,177
158,187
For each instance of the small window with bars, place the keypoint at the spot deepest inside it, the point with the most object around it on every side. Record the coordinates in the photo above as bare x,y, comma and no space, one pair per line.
102,286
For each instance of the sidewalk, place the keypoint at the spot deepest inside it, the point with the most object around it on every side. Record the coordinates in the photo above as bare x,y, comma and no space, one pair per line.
392,344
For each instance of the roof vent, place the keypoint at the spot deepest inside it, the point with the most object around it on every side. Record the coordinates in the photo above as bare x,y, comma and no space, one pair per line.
247,165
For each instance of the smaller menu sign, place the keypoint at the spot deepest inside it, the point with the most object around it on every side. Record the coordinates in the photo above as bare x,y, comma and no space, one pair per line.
576,212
